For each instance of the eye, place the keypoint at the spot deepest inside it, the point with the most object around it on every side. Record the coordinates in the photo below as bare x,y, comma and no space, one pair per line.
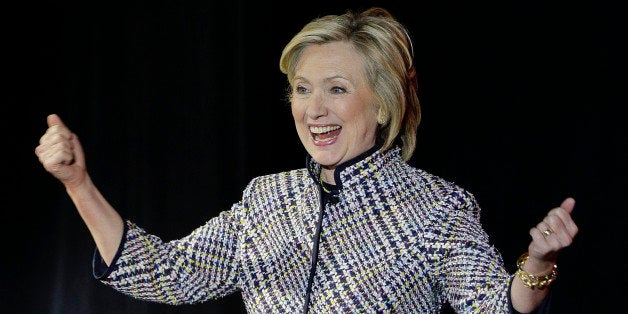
338,90
299,89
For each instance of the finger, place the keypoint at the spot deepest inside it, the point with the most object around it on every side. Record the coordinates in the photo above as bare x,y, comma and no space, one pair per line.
56,128
554,234
54,119
54,135
56,158
539,247
559,232
565,218
60,146
568,204
536,235
545,229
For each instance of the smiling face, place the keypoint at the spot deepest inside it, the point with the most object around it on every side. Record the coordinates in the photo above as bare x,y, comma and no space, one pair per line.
332,105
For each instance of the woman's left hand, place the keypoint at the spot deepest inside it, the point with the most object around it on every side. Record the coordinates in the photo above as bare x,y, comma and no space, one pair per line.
555,232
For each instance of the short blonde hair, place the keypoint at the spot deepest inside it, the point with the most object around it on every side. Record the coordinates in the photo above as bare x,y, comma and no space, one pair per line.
387,53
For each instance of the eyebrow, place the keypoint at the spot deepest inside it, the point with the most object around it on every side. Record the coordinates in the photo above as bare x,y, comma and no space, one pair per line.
327,79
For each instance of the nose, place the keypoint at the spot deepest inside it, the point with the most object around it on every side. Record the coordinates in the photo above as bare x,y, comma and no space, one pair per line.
316,106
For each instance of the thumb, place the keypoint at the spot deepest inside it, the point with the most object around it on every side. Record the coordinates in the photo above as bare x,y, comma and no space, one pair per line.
568,204
54,119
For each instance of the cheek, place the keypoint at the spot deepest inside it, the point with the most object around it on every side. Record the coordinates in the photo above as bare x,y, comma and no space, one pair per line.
365,118
297,112
369,126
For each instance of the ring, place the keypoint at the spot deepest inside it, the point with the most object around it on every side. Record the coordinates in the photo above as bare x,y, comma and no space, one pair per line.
547,232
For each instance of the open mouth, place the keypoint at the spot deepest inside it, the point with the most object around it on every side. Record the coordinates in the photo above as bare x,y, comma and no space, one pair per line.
325,134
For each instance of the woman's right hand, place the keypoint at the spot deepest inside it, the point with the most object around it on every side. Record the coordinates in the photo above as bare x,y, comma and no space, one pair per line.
61,153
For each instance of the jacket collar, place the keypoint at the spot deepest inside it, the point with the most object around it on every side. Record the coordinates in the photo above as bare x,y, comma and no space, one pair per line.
357,168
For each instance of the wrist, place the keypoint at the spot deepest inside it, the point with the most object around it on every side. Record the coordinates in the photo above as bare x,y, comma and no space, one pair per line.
530,275
535,265
79,186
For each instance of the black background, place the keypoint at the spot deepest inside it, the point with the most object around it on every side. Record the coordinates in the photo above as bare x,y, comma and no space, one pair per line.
179,104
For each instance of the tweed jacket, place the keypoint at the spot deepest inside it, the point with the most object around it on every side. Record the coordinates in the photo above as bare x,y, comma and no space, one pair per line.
391,238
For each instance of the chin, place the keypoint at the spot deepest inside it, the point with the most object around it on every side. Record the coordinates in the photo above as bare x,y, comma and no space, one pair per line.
324,158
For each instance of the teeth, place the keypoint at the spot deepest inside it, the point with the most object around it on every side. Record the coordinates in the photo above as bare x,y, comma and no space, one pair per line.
323,129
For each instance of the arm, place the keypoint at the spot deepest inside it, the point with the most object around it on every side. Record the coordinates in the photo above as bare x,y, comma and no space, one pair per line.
554,233
471,270
61,154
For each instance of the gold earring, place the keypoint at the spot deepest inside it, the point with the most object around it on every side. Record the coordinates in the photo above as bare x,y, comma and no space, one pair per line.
382,118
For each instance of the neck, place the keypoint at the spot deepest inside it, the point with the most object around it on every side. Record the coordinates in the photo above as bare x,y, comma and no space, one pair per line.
327,175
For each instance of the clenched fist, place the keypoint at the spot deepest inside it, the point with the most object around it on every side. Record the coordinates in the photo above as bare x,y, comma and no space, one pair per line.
61,154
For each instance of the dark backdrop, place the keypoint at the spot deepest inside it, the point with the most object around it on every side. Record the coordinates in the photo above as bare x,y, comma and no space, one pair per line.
180,103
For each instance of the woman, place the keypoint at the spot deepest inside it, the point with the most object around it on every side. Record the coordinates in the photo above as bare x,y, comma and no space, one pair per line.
357,229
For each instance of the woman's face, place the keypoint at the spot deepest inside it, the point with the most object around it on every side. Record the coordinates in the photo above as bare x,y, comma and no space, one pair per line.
332,105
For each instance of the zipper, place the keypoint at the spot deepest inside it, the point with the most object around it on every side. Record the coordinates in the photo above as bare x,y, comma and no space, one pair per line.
317,236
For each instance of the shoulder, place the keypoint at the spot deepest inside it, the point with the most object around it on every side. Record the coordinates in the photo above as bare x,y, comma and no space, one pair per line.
281,181
440,194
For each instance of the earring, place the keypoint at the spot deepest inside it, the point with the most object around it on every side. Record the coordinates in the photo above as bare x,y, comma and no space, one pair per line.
382,117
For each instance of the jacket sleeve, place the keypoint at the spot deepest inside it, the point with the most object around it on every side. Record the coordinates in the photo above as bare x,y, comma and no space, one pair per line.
203,265
470,269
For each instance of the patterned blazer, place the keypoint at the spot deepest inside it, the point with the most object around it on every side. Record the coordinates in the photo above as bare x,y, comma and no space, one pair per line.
389,238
